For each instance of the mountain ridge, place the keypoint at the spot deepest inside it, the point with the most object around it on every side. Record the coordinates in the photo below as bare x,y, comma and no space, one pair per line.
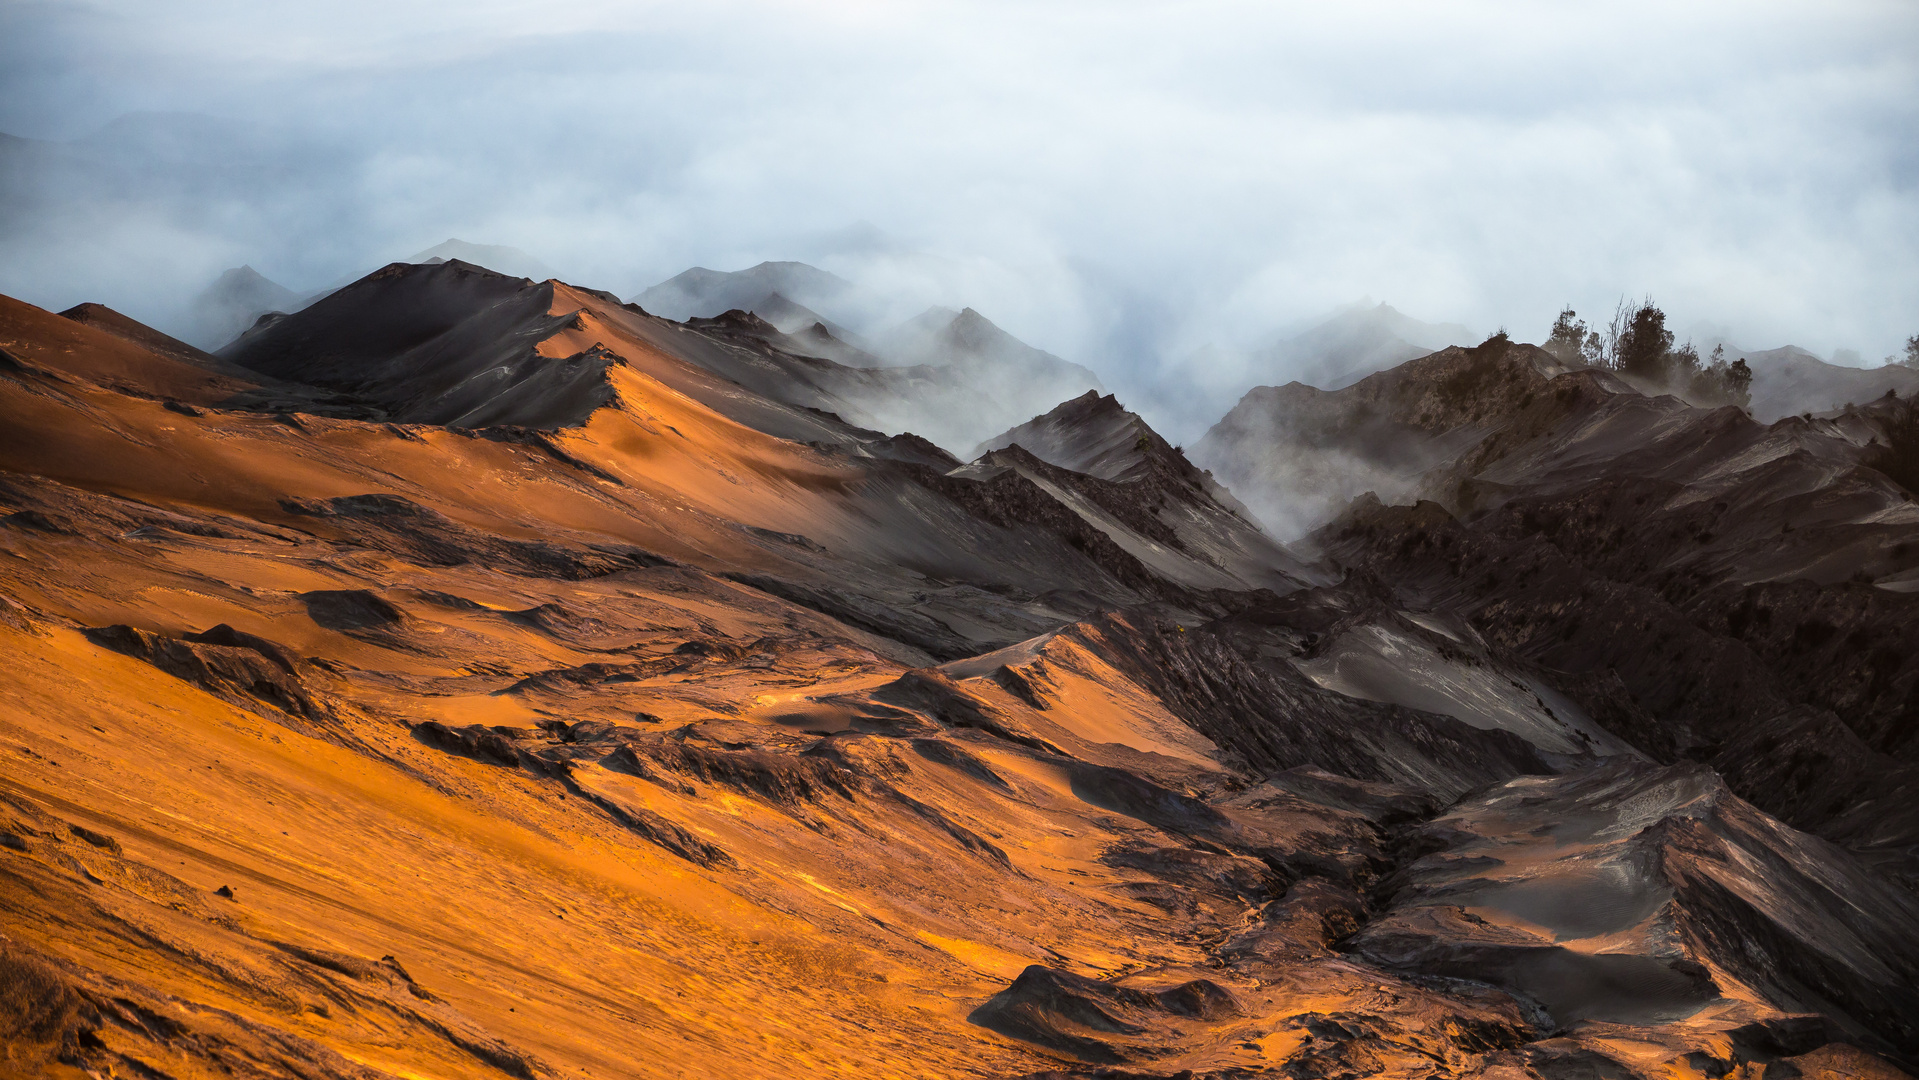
649,712
1357,342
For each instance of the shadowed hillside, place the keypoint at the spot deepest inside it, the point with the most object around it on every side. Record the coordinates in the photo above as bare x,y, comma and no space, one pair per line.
472,676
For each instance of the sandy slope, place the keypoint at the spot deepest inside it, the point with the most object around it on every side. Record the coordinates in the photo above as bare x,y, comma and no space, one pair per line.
656,725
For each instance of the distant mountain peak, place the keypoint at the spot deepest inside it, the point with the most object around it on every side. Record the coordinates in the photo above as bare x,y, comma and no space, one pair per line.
1357,341
1789,381
933,320
510,261
245,276
788,266
971,330
940,336
1092,406
232,303
1092,434
699,292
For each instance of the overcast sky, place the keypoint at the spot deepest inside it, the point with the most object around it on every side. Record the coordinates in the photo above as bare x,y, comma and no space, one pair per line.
1125,184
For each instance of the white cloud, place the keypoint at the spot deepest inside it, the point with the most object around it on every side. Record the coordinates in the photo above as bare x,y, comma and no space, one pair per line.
1121,183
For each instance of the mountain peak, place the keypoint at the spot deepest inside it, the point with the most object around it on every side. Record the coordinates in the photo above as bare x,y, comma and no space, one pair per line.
1092,434
510,261
699,292
234,301
1357,341
975,332
245,276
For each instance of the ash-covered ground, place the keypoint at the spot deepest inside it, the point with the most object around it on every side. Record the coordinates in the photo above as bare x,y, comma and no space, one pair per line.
471,676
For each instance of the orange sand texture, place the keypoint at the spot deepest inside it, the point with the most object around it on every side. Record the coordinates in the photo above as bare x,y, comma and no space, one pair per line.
399,910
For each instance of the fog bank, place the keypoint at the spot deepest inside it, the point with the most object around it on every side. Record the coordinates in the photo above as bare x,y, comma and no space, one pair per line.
1159,193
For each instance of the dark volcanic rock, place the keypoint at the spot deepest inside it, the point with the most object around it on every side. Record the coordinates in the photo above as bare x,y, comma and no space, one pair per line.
1593,583
1274,719
1012,501
351,609
1098,1021
238,667
923,632
1635,894
423,535
447,343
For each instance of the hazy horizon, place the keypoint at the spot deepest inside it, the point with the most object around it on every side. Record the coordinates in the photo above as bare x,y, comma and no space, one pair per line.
1149,191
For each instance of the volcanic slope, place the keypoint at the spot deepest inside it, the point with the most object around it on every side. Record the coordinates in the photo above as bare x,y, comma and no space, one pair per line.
1749,583
951,377
616,746
1297,454
1111,466
870,527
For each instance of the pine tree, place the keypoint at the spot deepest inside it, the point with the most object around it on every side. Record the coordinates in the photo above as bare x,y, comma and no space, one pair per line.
1568,339
1738,380
1644,343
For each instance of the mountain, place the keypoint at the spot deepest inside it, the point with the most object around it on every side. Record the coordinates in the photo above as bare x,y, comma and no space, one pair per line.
234,302
588,693
104,318
940,336
1090,434
433,348
829,340
1560,507
968,378
951,376
510,261
1298,455
703,293
973,378
1789,381
1107,456
1357,342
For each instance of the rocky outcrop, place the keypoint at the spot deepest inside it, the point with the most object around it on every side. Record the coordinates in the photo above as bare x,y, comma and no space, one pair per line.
426,536
1636,895
241,668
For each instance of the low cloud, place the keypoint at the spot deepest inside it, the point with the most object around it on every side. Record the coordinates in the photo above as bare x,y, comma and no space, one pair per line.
1151,190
